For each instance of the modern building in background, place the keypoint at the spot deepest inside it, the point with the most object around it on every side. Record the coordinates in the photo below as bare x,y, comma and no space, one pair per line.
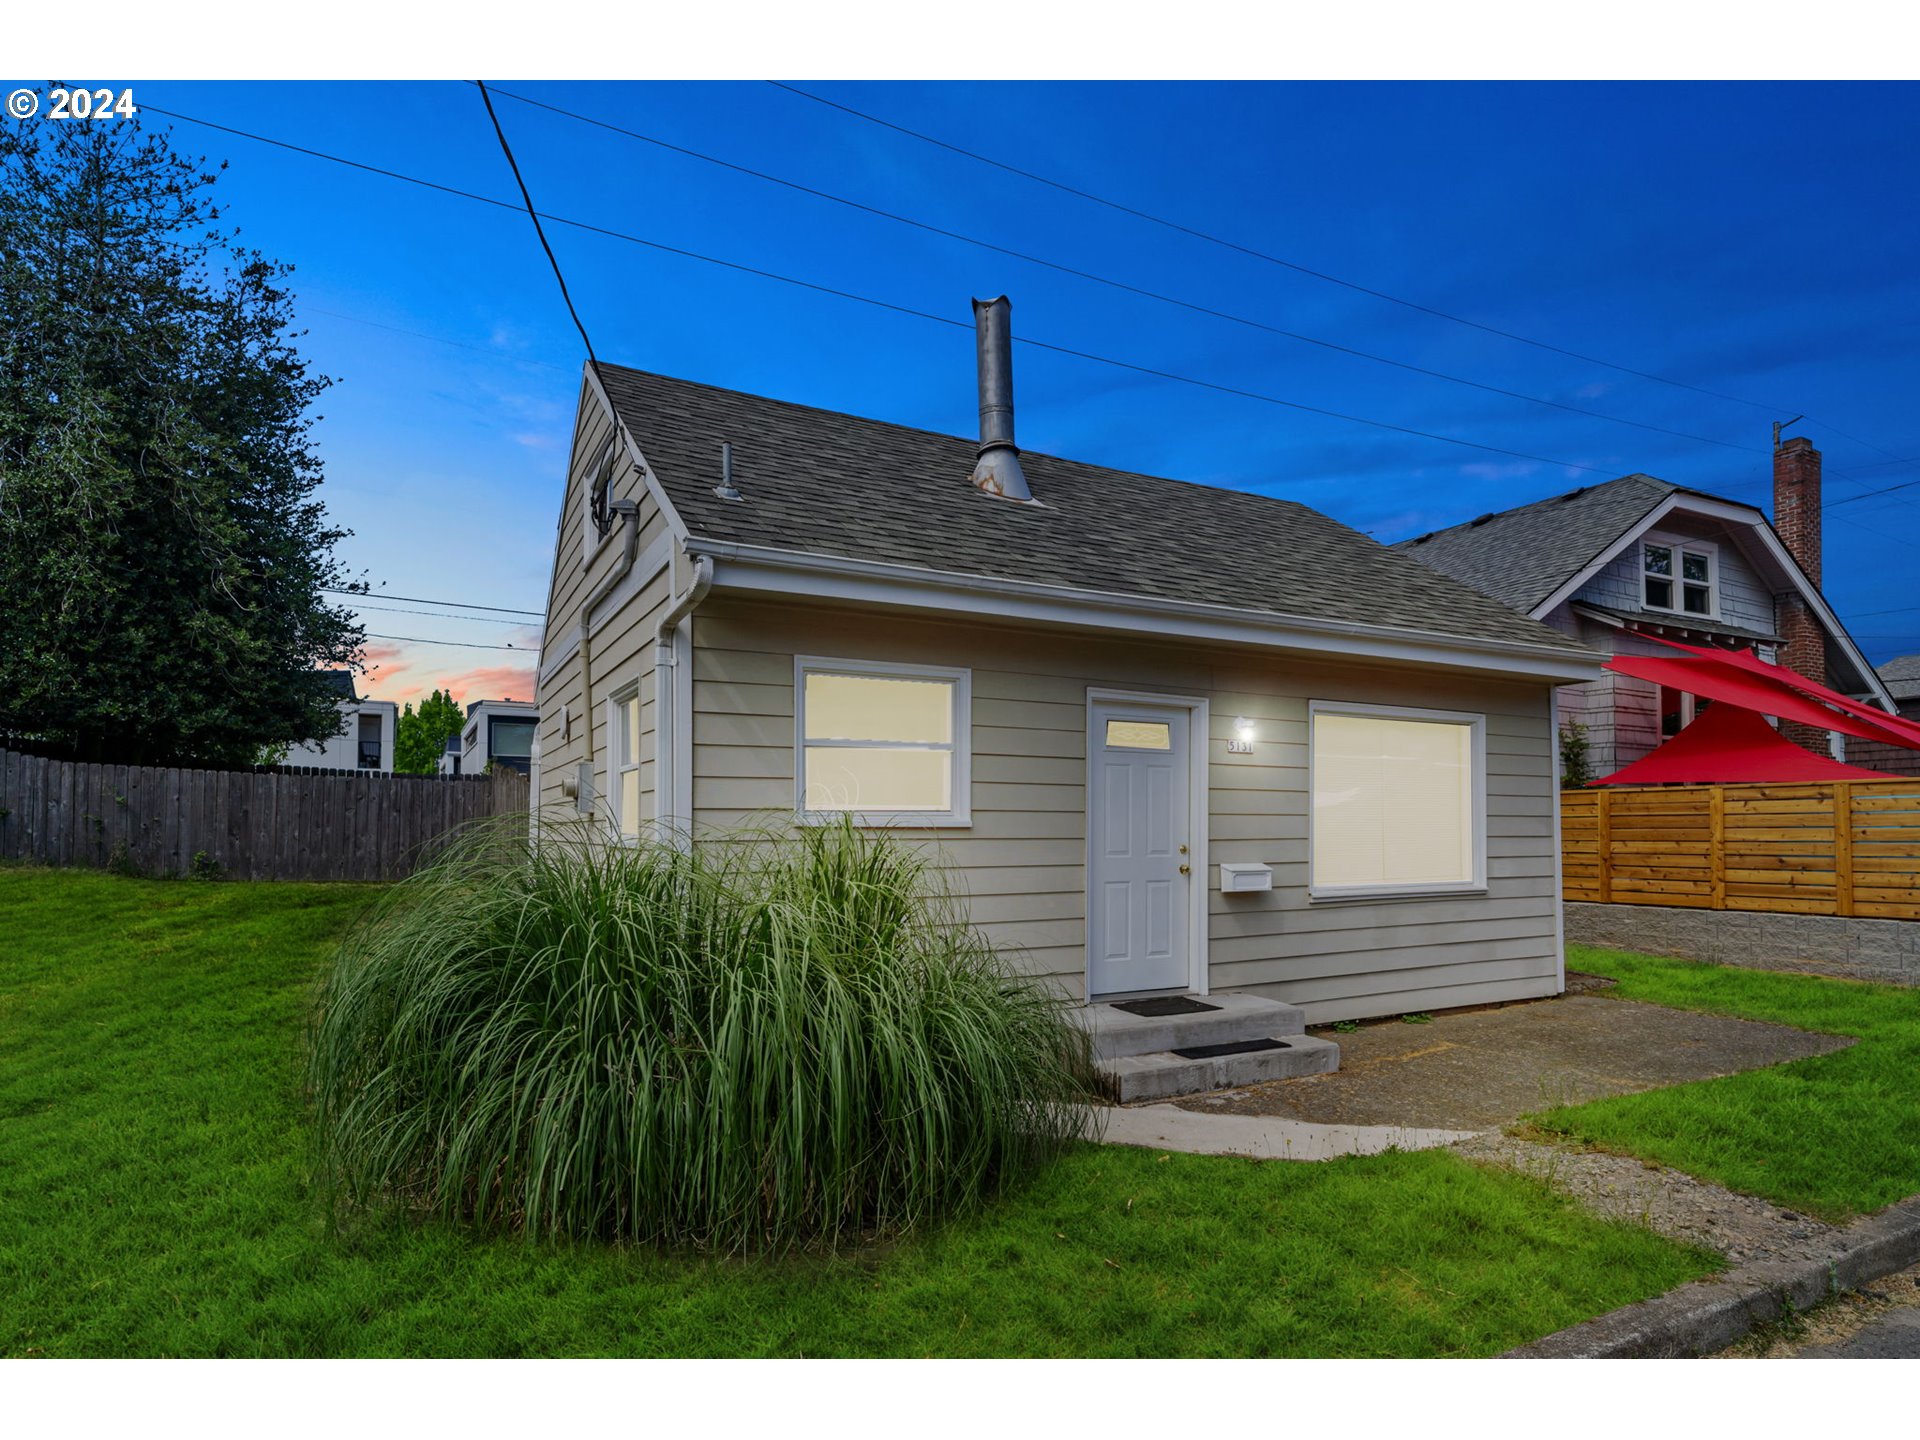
497,732
365,741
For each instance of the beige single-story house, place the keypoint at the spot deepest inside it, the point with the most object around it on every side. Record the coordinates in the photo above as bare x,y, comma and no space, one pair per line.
1169,739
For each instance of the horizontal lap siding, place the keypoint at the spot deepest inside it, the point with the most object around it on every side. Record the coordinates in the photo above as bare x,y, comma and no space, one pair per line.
621,649
1021,863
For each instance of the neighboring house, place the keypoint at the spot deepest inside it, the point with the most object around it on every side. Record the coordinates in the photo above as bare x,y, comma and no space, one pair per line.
1100,705
1902,679
497,732
365,741
1616,563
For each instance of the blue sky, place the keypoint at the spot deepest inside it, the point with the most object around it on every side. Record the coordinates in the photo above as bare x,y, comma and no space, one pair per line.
1753,240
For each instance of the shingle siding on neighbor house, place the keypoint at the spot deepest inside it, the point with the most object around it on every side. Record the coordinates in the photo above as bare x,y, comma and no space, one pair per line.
1745,600
1021,863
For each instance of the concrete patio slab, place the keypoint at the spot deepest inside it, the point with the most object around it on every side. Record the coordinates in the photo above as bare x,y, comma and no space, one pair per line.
1171,1127
1473,1070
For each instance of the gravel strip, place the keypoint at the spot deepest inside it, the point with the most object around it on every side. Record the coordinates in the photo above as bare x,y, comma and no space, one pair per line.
1745,1229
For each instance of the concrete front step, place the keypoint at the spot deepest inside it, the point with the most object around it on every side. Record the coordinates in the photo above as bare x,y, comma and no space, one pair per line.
1162,1074
1235,1017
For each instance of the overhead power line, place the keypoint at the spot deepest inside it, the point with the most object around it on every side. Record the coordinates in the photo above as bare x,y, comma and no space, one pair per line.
422,600
534,215
1294,265
1061,268
817,288
444,615
461,644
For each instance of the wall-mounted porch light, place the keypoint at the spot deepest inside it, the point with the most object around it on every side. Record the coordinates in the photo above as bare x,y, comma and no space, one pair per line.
1242,741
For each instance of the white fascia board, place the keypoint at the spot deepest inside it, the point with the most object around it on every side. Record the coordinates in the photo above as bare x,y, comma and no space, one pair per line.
1688,503
654,488
828,577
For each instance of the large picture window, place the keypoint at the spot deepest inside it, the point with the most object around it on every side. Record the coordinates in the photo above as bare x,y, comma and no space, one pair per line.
884,743
1397,801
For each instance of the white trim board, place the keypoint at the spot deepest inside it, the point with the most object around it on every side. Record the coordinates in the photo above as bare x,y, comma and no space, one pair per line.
827,577
1199,805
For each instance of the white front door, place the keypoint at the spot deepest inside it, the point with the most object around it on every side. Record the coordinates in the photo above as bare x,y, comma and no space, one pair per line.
1140,875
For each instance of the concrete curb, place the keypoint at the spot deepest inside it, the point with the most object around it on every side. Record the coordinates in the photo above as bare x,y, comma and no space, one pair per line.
1710,1315
1259,1137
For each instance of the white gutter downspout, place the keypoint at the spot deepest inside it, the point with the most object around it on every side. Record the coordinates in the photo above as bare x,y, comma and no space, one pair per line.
673,750
629,513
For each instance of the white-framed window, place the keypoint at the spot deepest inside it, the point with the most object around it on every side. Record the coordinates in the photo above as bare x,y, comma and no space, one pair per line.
1678,575
624,757
887,744
1398,801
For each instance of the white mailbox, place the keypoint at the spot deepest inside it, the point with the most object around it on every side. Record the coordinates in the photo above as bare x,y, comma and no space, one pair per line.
1239,878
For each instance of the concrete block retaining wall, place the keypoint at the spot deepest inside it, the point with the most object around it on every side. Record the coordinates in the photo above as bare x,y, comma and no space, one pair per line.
1887,950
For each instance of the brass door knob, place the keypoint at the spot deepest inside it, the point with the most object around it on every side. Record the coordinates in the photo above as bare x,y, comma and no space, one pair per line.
1184,869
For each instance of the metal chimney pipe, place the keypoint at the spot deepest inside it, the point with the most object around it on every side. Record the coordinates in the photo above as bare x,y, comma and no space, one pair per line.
998,470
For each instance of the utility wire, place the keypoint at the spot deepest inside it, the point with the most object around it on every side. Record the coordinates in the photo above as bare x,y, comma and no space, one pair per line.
443,615
869,300
534,215
1295,266
422,600
1143,292
462,644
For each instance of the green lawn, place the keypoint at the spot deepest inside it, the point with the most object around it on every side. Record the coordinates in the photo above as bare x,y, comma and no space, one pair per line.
154,1200
1834,1136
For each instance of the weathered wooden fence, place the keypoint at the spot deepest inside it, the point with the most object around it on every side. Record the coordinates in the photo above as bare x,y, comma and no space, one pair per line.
277,824
1850,848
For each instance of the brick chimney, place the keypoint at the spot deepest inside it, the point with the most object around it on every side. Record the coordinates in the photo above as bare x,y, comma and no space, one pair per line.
1796,516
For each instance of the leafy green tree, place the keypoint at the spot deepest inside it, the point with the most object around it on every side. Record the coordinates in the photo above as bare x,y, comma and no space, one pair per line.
419,739
162,552
1576,767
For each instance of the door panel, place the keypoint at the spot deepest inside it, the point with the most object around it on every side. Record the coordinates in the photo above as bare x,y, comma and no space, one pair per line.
1138,843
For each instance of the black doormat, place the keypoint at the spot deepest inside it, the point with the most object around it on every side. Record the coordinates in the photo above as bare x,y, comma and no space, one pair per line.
1165,1005
1232,1047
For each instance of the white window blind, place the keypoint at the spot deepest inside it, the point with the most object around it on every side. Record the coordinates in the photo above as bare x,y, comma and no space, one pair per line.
882,742
1394,802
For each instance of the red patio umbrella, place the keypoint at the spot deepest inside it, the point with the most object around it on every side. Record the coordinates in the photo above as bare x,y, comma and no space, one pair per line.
1718,680
1750,662
1730,745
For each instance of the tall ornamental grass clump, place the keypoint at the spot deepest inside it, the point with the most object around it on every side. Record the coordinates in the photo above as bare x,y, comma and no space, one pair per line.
761,1042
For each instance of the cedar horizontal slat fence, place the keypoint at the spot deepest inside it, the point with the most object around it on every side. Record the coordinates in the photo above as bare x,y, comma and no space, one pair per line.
269,823
1841,848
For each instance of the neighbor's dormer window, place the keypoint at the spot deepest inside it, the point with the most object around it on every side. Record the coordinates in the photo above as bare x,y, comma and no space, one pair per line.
1677,577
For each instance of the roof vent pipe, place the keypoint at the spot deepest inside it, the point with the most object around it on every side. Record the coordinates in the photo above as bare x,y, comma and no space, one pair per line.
998,470
726,489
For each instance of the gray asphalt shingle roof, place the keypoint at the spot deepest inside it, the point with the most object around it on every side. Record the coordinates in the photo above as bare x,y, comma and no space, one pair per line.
831,484
1902,677
1521,556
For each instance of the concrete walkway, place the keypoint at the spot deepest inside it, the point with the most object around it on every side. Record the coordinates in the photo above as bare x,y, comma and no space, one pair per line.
1260,1137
